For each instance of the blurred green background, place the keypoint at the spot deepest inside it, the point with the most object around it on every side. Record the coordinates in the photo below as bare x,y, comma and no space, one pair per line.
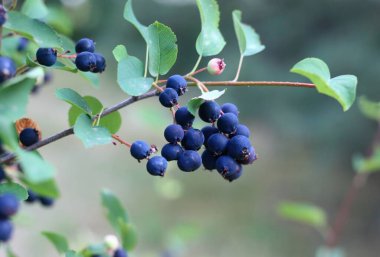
304,140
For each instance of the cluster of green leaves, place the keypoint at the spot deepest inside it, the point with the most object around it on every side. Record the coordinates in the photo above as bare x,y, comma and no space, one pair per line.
118,219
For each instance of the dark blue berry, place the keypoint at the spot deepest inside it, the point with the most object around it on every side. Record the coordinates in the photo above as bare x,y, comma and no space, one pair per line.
120,253
6,229
8,205
234,175
32,197
48,76
251,157
228,167
22,44
3,15
189,160
208,131
178,83
29,136
217,144
2,174
85,45
171,151
46,201
209,111
241,130
209,160
184,118
169,97
157,165
7,68
193,139
86,61
228,123
140,150
239,147
230,108
174,133
100,63
46,56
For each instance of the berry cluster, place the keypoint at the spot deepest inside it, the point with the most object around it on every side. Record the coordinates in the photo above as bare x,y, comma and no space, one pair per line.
226,141
85,58
9,205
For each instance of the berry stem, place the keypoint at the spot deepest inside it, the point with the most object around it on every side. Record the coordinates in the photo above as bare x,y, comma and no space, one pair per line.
22,69
197,71
239,68
196,65
154,84
258,83
146,61
71,56
199,84
121,141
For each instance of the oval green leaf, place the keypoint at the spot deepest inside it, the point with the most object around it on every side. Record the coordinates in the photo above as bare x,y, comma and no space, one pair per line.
115,211
72,97
130,16
35,9
19,191
58,241
91,135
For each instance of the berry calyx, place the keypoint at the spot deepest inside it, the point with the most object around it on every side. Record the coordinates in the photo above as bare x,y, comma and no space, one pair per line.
228,167
216,66
251,157
140,150
7,68
242,130
174,133
9,205
189,160
239,148
168,98
86,61
227,123
157,165
6,229
230,108
178,83
85,45
29,136
46,56
193,139
171,151
209,111
184,118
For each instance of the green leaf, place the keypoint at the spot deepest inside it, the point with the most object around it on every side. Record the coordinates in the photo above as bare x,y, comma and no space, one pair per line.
112,121
60,242
163,49
130,74
8,133
367,165
58,19
10,253
120,52
210,41
91,135
128,236
370,109
115,212
35,168
129,15
61,64
303,213
248,39
14,188
94,249
325,251
72,253
46,188
341,88
33,29
91,77
194,103
35,9
72,97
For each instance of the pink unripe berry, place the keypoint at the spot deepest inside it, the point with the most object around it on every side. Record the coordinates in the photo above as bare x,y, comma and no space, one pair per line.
111,242
216,66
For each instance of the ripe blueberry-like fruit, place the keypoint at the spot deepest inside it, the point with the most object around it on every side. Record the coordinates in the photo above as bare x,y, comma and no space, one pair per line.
46,201
46,56
3,15
230,108
174,133
251,157
140,150
239,147
2,174
242,130
217,144
169,97
7,68
216,66
193,139
157,165
29,136
32,197
120,253
227,167
86,61
22,44
209,111
171,151
100,63
85,45
184,118
227,123
209,160
189,160
8,205
6,229
178,83
208,131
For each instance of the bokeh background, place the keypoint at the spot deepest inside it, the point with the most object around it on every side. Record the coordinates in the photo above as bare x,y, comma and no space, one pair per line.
304,140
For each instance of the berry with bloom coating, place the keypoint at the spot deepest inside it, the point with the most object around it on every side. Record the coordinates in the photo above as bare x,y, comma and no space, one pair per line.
239,147
120,253
168,98
174,133
29,136
209,111
178,83
207,132
228,167
193,139
8,205
171,151
227,123
209,160
157,165
216,66
46,56
184,118
86,61
7,68
217,144
6,229
230,108
189,160
100,63
242,130
140,150
85,45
